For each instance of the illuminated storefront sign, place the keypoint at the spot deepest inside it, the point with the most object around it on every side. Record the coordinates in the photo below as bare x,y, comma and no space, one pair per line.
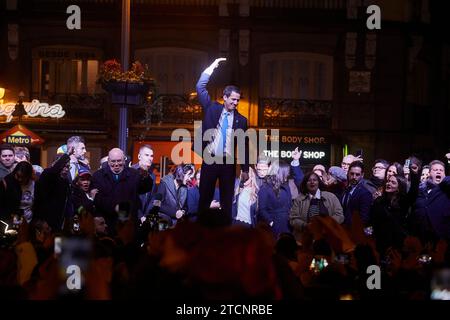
34,108
20,135
315,148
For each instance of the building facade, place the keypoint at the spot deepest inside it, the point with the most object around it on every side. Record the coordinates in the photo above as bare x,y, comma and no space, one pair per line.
312,69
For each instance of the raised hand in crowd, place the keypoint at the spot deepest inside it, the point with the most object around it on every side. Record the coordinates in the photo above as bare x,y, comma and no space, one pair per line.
358,158
406,171
214,65
179,214
215,204
71,150
296,154
93,193
244,176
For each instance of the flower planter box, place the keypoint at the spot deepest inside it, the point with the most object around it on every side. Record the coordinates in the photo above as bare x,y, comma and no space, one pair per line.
127,93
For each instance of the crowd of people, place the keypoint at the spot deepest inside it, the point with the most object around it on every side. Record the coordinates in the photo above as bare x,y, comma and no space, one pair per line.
290,235
269,231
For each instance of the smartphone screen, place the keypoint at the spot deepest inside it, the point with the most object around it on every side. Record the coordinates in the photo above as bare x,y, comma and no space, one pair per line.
407,163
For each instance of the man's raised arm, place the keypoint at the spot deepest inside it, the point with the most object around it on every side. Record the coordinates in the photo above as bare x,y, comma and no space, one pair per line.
202,93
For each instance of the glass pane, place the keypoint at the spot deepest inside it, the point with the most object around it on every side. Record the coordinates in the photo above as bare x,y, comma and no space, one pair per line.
92,76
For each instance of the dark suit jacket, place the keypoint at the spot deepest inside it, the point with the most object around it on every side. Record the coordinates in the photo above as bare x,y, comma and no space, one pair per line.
146,198
111,192
432,211
360,201
52,196
211,115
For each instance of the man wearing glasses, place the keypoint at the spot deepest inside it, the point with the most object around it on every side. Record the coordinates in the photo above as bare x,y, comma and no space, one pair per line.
375,183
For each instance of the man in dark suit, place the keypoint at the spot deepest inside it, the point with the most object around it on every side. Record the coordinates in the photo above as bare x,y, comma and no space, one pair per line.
119,185
145,157
220,121
356,197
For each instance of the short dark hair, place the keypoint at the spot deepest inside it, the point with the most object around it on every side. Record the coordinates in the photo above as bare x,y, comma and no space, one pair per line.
182,170
397,166
25,168
356,164
229,89
432,163
416,161
382,161
303,187
6,146
145,146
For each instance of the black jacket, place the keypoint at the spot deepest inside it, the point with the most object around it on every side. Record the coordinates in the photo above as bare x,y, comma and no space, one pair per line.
52,200
111,192
79,198
10,196
389,222
212,111
172,199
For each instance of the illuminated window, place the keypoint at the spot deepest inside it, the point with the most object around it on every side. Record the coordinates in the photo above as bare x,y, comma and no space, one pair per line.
65,70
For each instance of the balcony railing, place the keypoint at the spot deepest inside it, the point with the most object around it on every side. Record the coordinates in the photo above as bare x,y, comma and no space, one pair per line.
169,109
276,112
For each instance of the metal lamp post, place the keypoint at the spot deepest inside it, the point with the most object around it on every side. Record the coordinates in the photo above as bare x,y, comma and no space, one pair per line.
125,57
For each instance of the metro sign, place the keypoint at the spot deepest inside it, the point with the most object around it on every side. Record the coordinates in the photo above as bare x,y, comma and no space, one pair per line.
20,135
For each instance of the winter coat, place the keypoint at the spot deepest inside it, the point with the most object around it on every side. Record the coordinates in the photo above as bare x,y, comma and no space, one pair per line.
111,192
172,199
52,196
329,205
275,209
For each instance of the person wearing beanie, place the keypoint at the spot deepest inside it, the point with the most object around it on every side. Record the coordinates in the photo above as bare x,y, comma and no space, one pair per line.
336,181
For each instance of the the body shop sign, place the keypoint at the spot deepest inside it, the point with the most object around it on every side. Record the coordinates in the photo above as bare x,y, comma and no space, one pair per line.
315,148
34,108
